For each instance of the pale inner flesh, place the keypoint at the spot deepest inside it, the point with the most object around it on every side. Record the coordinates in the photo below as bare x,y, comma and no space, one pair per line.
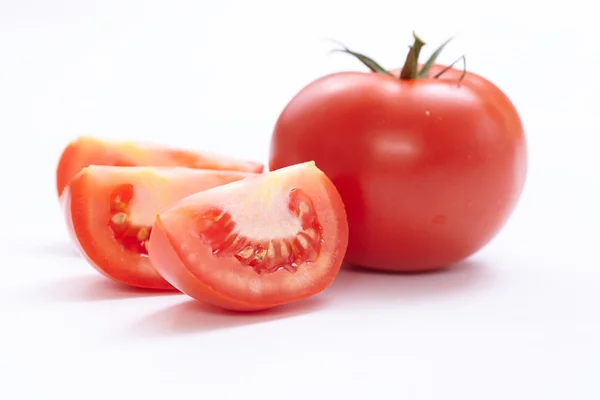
262,213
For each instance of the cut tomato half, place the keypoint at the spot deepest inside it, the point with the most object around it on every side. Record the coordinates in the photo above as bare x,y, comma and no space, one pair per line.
110,211
86,151
268,240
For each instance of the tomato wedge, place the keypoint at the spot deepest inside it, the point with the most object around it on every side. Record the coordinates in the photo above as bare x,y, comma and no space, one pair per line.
86,151
110,211
254,244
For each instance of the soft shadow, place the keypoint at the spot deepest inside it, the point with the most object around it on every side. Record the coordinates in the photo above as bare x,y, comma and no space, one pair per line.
94,288
192,316
57,249
359,285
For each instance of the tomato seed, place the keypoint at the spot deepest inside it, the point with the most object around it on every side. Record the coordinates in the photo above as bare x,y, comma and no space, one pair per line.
246,253
271,250
143,234
119,218
260,254
304,208
119,206
284,249
217,229
130,237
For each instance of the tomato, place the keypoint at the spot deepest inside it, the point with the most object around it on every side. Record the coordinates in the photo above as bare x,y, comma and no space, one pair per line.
87,151
429,168
265,241
110,211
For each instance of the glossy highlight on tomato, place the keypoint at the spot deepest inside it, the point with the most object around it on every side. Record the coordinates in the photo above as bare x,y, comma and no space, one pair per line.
110,211
429,168
268,240
86,151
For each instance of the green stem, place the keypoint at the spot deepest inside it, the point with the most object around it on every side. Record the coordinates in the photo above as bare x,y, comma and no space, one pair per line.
409,70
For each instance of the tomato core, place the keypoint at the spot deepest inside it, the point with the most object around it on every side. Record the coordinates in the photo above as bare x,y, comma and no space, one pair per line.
131,237
217,229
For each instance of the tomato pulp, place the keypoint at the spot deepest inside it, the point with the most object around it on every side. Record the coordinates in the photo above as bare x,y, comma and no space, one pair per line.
429,169
268,240
87,151
110,211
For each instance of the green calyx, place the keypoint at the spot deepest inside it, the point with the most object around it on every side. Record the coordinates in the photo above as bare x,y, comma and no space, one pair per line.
410,70
370,63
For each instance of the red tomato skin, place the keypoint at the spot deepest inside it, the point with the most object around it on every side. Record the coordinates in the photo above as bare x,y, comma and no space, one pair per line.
85,151
86,206
165,257
100,257
429,170
168,253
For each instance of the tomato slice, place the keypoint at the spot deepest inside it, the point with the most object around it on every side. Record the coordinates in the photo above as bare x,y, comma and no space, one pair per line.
86,151
110,211
265,241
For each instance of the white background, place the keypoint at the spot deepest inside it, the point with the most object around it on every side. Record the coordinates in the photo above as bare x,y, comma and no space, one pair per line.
519,320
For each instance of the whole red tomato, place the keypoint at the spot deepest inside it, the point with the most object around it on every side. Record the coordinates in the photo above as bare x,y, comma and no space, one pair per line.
429,166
